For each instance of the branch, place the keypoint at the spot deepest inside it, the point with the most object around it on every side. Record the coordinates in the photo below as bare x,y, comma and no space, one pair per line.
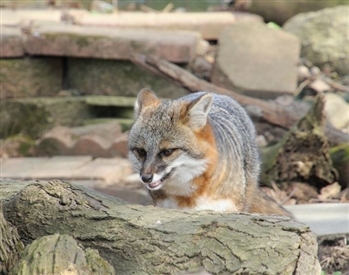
267,111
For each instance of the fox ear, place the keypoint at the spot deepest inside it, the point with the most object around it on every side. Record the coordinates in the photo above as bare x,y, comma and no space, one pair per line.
198,110
146,97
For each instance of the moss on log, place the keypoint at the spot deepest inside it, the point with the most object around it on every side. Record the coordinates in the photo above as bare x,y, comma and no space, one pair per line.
60,254
340,160
303,153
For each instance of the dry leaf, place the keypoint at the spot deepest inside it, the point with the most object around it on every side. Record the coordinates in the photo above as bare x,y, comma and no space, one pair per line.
330,191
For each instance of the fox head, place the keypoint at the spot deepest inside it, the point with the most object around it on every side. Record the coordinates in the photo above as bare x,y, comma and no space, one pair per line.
171,141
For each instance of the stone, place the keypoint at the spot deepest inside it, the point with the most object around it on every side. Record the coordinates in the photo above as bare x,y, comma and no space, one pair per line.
81,168
101,6
110,170
20,168
201,68
260,64
38,15
23,4
303,72
17,146
209,25
282,10
324,37
91,145
315,71
59,167
103,140
57,141
337,111
35,116
11,43
60,39
93,140
30,77
320,86
9,18
118,101
116,78
125,123
120,146
108,130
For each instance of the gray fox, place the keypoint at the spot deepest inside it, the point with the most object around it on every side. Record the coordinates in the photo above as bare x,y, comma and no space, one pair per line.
198,152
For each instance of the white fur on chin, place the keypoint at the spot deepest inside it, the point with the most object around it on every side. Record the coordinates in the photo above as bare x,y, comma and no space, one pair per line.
186,169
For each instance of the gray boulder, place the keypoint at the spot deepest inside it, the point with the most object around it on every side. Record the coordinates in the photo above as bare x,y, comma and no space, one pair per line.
282,10
324,37
256,60
337,111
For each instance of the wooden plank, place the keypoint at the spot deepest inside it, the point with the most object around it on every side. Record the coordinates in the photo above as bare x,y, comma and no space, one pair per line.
59,167
20,168
208,24
59,39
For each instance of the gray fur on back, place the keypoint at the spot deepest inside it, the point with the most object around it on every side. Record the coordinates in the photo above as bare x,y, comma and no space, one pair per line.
235,136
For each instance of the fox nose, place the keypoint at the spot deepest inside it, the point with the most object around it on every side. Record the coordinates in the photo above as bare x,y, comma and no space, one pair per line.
147,177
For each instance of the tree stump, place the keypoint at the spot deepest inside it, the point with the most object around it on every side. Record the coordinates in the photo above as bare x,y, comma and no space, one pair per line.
303,154
137,239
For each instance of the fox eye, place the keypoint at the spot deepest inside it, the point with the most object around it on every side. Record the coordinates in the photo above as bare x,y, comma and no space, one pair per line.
140,152
167,152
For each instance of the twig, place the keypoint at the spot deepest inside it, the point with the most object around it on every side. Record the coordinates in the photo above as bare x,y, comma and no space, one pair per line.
147,9
336,86
302,86
168,8
268,111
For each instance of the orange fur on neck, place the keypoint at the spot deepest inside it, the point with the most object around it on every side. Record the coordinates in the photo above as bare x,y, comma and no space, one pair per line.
206,140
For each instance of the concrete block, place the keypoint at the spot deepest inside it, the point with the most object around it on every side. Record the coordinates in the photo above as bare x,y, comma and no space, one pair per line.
120,146
11,43
208,24
30,77
102,140
34,116
59,167
257,61
20,168
117,78
110,170
111,43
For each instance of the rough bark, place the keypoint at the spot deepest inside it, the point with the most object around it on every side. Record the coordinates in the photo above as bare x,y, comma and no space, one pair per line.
146,240
10,245
268,111
9,188
303,154
60,254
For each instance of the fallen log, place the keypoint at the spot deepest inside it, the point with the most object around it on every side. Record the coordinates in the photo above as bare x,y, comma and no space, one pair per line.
10,245
60,254
136,239
268,111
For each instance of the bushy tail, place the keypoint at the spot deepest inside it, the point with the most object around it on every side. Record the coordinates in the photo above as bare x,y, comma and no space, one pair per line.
258,202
